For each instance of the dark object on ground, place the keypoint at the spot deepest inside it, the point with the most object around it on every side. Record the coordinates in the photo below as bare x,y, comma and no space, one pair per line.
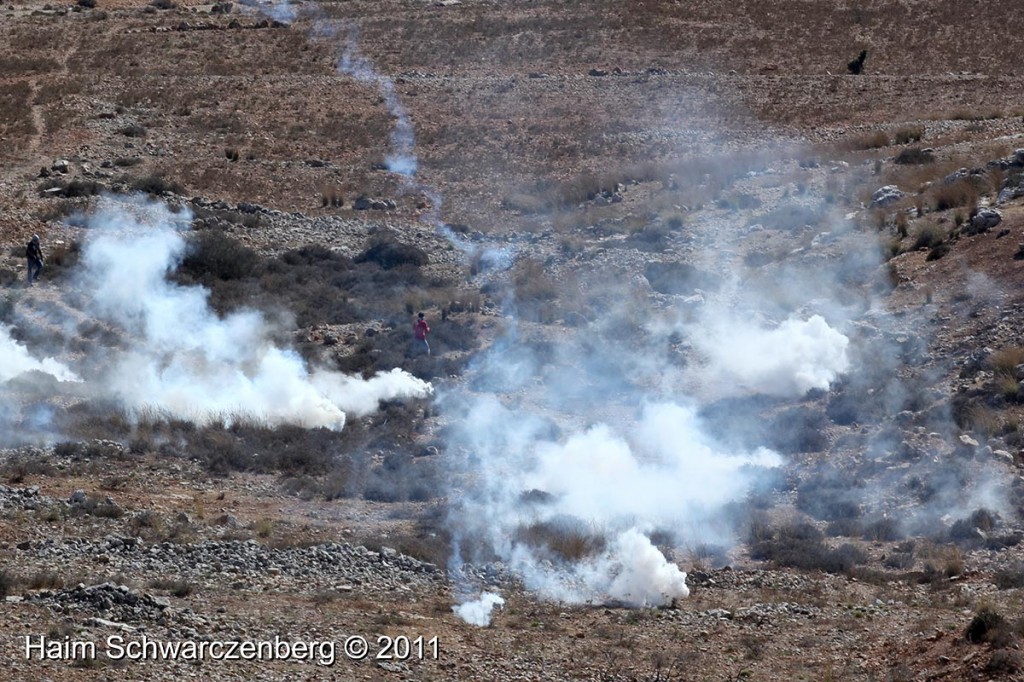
856,66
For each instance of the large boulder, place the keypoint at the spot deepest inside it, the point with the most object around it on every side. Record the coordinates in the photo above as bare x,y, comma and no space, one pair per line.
983,221
884,196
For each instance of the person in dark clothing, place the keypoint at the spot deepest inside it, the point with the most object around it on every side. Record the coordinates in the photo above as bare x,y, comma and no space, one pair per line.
420,329
34,254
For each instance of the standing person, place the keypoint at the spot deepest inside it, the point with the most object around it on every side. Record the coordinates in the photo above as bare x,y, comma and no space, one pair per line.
34,254
420,329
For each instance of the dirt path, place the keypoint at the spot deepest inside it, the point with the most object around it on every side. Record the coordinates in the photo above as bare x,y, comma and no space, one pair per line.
35,146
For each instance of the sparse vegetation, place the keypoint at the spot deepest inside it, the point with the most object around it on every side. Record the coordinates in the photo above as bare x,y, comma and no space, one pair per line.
801,545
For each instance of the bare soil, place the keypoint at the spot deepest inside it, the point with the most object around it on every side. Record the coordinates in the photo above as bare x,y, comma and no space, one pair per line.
523,114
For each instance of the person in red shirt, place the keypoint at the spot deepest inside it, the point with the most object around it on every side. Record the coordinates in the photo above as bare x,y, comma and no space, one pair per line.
420,329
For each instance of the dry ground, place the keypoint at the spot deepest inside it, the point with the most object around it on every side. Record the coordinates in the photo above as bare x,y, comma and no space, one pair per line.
514,130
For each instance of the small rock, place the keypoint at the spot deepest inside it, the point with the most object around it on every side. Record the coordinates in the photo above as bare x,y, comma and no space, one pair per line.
968,441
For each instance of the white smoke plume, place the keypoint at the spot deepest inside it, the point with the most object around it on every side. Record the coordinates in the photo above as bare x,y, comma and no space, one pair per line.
613,483
15,359
786,361
478,611
191,363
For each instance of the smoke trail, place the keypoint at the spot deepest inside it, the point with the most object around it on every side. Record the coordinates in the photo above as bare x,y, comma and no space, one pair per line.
192,364
15,360
402,157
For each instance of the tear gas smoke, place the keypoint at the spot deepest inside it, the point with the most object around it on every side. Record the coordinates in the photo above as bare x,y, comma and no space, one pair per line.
190,363
613,484
280,11
478,611
786,361
15,360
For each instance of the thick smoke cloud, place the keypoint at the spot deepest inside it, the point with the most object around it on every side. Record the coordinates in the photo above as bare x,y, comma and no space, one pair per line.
15,360
787,361
609,485
188,362
478,611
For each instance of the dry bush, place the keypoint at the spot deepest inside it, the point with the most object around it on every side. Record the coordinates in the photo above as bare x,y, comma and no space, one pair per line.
44,579
791,217
156,185
679,278
883,530
914,156
1005,361
829,495
988,625
213,254
941,563
70,189
536,291
388,252
800,545
175,586
798,429
8,581
133,130
908,134
929,236
963,192
1010,577
566,538
869,140
1004,662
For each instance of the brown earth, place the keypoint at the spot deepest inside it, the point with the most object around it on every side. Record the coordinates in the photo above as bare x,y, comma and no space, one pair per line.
515,132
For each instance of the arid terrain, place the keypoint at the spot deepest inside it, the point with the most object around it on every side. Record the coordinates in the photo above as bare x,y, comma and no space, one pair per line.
707,293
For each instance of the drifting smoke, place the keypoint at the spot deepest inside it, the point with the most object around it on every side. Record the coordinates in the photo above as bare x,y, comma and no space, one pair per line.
402,157
478,611
16,360
280,11
192,364
787,361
